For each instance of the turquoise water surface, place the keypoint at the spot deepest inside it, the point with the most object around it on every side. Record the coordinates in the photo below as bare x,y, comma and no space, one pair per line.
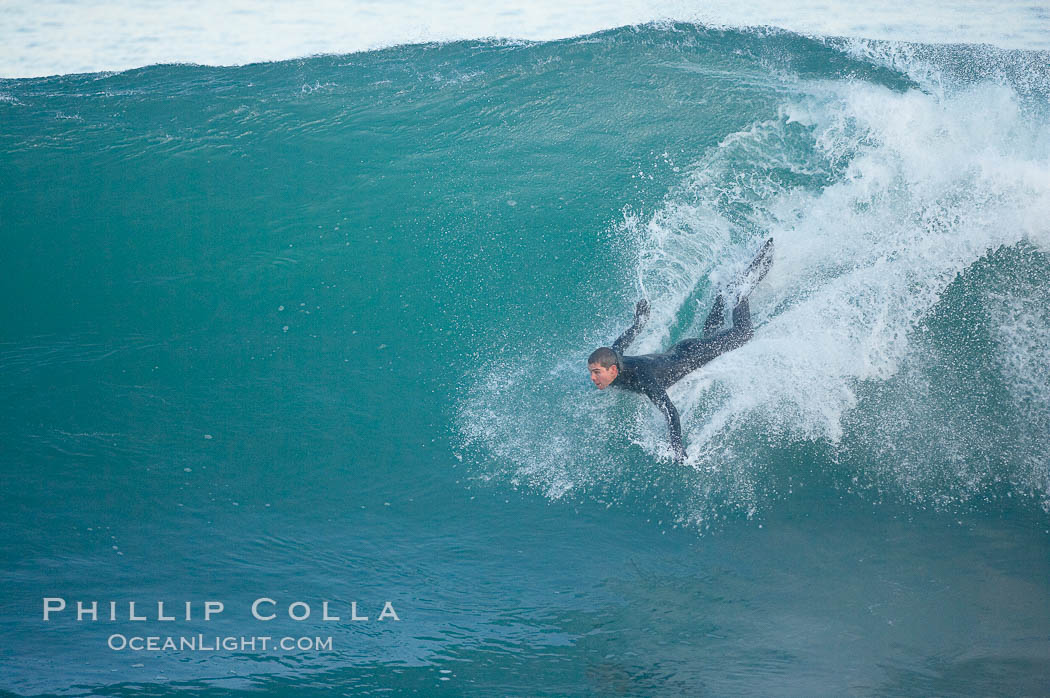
315,330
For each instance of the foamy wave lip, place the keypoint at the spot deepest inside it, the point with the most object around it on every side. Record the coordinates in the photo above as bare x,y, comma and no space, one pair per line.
54,37
923,186
933,186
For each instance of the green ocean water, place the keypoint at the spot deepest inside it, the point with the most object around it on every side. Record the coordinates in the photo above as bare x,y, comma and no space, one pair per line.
315,330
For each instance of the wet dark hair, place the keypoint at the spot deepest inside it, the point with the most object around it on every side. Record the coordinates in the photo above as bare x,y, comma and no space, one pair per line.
604,357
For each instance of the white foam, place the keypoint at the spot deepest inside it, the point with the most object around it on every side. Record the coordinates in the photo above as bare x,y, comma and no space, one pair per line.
47,37
925,185
932,186
1022,328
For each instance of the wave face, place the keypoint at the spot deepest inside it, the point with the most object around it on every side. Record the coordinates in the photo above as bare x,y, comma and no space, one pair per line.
902,323
285,319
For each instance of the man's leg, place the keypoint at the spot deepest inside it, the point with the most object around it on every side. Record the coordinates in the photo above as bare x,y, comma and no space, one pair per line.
740,332
690,354
689,350
742,319
715,318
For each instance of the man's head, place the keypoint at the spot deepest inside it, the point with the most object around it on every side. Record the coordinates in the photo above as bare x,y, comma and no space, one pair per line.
604,365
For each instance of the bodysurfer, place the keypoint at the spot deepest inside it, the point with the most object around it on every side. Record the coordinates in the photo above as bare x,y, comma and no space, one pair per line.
652,374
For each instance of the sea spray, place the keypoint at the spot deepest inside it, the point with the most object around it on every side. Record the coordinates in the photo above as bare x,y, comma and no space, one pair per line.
880,200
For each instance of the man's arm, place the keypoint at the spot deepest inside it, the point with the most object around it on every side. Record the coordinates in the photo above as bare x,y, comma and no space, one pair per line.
641,316
674,426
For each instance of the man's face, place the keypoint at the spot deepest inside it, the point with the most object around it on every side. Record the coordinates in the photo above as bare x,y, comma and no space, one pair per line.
602,377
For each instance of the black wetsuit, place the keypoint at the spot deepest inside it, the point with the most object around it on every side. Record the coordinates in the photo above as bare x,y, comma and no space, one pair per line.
652,374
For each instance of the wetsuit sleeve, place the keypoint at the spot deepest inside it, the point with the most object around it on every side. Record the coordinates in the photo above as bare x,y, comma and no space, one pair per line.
625,339
641,315
674,425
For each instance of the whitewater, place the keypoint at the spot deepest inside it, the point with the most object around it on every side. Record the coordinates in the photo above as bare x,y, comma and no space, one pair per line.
888,206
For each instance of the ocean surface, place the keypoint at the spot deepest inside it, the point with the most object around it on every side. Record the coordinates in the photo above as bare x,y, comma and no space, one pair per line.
53,37
315,330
